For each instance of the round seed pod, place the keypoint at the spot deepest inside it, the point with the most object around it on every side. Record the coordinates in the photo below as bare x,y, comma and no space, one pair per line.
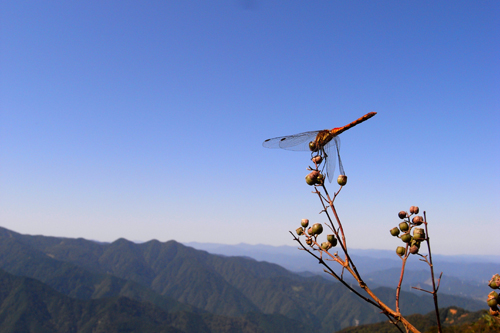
418,220
494,282
395,231
317,228
414,249
317,159
492,299
342,180
311,177
414,209
418,233
400,251
326,246
299,231
414,246
406,238
310,181
309,241
304,223
332,240
403,226
402,214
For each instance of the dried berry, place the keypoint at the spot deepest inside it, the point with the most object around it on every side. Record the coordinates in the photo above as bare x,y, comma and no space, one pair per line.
317,159
494,282
342,180
332,240
406,238
414,210
311,178
414,249
492,299
418,233
395,231
326,246
317,228
418,220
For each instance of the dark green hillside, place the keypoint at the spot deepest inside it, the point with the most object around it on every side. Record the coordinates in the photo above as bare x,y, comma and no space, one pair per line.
74,281
27,305
229,286
454,320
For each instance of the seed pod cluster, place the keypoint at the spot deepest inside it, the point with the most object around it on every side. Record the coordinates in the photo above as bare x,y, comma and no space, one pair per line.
405,227
493,298
315,178
494,282
312,233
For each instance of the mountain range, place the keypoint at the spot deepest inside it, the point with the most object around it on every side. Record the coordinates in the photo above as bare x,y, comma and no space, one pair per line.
464,275
78,285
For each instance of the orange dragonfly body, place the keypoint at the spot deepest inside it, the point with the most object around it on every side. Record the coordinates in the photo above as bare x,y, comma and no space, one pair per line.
319,142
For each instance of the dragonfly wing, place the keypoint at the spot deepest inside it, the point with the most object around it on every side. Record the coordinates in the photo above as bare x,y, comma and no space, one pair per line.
292,142
332,151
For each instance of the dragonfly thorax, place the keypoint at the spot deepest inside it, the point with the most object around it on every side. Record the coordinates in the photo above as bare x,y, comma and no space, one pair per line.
323,138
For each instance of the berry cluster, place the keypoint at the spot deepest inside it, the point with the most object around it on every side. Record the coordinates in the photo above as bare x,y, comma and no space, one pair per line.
312,234
408,224
493,298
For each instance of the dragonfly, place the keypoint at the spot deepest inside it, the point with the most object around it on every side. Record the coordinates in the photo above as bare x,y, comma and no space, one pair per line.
321,142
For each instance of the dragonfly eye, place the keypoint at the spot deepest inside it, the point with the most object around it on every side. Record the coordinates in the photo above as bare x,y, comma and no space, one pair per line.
313,146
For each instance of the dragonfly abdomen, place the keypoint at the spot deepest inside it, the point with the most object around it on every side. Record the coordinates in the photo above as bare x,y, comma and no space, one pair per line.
342,129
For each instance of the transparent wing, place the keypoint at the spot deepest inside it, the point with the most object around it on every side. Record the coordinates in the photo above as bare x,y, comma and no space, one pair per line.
332,152
292,142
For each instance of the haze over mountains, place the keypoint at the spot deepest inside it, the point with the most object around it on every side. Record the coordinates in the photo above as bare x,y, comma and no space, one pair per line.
77,285
462,275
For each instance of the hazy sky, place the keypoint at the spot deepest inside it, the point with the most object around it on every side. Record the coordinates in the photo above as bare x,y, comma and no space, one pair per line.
145,119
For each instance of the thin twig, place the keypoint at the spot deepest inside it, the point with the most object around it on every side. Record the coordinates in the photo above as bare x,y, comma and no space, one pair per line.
434,293
398,289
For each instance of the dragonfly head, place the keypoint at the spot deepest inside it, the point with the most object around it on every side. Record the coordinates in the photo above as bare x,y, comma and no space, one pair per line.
313,146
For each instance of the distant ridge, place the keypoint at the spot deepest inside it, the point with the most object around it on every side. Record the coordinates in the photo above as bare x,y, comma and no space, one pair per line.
177,278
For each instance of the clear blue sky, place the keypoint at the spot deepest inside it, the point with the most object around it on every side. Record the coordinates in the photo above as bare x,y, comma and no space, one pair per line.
145,119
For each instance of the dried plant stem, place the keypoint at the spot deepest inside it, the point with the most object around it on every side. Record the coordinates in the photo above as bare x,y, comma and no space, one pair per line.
348,264
343,242
396,315
434,289
398,289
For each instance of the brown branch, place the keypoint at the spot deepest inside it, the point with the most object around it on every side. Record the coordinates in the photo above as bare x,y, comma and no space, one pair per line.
398,289
434,293
343,243
375,301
